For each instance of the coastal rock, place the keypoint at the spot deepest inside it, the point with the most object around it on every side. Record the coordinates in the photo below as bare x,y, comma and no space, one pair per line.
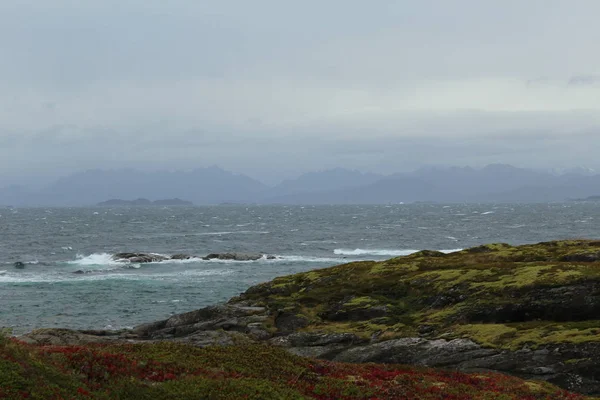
234,256
139,257
19,265
181,257
290,322
225,317
433,353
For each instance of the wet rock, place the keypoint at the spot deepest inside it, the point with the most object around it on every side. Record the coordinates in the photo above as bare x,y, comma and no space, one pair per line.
181,257
234,256
139,257
19,265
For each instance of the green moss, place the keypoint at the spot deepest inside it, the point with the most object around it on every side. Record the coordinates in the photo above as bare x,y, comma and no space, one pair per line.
362,302
449,290
534,334
573,361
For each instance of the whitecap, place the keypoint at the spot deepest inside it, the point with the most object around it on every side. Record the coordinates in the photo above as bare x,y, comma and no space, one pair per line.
488,212
95,260
232,233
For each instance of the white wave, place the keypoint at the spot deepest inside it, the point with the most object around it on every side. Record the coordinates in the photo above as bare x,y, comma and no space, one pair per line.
95,260
231,233
382,252
3,272
171,276
488,212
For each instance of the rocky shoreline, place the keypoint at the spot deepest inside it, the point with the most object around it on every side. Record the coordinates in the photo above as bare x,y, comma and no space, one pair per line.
529,311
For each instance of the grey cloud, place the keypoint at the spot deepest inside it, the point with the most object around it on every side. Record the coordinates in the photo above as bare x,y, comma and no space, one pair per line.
296,85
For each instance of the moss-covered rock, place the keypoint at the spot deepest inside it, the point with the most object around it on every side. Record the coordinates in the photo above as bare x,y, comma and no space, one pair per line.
551,285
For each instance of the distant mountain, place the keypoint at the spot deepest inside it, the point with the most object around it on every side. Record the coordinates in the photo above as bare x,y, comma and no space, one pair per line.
327,180
390,190
202,186
497,183
144,202
589,198
494,183
16,195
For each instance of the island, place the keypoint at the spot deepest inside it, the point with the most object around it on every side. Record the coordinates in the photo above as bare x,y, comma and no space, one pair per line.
492,321
144,202
590,198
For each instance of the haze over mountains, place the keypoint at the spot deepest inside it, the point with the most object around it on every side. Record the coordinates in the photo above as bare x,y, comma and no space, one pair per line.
499,183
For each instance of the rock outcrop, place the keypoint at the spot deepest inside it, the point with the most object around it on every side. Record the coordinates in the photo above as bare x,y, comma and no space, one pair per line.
234,256
152,257
532,311
139,257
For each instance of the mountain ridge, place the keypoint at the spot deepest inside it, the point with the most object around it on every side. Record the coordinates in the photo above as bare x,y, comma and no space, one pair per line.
494,183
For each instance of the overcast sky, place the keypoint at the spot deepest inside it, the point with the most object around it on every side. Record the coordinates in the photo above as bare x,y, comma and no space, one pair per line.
274,88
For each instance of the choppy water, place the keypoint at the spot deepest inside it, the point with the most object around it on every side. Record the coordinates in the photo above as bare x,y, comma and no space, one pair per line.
54,243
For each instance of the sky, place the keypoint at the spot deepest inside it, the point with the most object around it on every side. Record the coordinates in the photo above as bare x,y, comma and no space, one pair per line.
272,88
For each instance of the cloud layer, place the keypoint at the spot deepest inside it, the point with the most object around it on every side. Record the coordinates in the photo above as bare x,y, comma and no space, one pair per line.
249,85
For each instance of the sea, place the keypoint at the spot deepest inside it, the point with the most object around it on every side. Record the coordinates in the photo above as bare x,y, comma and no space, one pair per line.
55,243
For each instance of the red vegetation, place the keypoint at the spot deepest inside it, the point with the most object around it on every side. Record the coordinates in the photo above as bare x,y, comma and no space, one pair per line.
168,371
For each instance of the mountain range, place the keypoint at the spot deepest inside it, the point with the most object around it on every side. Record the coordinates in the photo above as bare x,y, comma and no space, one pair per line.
496,183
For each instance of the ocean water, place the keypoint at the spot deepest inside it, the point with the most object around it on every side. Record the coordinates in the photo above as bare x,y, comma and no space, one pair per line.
54,243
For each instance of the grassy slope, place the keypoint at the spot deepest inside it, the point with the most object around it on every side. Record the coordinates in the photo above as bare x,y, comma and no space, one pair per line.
171,371
498,295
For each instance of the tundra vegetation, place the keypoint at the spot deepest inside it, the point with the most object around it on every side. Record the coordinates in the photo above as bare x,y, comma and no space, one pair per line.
177,371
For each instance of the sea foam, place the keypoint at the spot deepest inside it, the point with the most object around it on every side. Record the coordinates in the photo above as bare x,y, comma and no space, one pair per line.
95,260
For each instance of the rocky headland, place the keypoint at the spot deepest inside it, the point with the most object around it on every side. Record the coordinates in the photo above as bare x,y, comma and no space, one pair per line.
530,311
